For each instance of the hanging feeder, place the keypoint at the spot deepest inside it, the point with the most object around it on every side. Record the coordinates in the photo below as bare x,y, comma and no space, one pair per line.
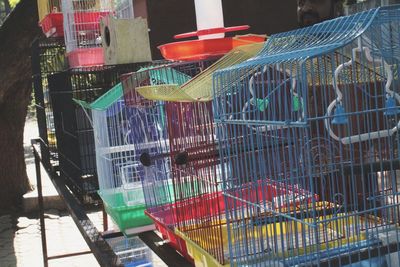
211,33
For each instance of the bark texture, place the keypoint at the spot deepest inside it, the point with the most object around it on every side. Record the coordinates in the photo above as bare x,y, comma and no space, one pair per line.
16,35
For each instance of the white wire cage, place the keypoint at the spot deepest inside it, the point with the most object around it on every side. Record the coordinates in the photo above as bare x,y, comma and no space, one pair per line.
117,144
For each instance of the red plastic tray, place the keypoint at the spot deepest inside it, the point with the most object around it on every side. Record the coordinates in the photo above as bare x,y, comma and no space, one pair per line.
52,25
204,49
168,233
213,204
84,57
165,216
209,205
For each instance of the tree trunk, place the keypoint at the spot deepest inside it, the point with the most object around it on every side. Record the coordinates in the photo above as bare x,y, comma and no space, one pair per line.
16,35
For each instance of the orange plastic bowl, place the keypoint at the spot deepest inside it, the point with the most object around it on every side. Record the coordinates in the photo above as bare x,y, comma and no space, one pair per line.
203,49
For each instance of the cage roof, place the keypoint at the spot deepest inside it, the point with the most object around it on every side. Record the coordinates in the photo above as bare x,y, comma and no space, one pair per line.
315,40
104,101
198,88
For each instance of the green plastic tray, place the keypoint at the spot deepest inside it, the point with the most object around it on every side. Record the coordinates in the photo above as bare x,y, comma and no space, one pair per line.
126,217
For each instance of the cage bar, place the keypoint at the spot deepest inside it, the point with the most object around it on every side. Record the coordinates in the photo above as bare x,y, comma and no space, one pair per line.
47,58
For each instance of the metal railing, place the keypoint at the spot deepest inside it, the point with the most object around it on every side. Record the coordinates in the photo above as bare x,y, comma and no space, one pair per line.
96,240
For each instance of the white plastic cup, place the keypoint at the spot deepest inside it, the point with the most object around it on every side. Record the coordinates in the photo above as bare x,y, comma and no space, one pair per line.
209,15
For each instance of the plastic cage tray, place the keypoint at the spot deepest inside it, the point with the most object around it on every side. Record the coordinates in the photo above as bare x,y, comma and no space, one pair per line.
165,220
52,25
168,233
85,57
126,217
131,251
340,239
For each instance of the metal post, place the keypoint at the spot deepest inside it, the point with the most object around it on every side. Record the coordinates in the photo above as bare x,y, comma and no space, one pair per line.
105,220
41,209
37,78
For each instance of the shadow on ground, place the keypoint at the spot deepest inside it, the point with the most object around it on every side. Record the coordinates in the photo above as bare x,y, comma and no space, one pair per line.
8,226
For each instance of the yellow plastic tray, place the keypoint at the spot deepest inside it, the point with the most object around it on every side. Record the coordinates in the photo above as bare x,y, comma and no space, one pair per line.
337,228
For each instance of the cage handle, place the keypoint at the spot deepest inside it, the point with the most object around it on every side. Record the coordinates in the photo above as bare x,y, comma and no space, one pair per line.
263,103
338,101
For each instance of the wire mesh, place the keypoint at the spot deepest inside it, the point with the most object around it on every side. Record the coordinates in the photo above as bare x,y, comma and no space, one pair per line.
368,4
82,20
317,112
154,150
121,134
197,206
119,145
74,132
47,58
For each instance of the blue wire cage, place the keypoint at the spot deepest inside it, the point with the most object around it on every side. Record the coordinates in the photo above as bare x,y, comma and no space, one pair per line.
317,110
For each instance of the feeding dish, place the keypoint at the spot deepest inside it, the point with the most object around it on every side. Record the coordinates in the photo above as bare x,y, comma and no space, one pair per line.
206,48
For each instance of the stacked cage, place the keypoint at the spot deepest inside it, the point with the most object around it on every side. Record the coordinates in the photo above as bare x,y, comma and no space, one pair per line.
74,132
82,28
318,110
50,17
47,59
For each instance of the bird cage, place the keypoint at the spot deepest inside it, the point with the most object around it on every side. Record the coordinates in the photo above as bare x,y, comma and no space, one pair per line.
47,58
154,153
50,17
73,130
200,208
198,205
117,158
82,28
318,110
160,183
